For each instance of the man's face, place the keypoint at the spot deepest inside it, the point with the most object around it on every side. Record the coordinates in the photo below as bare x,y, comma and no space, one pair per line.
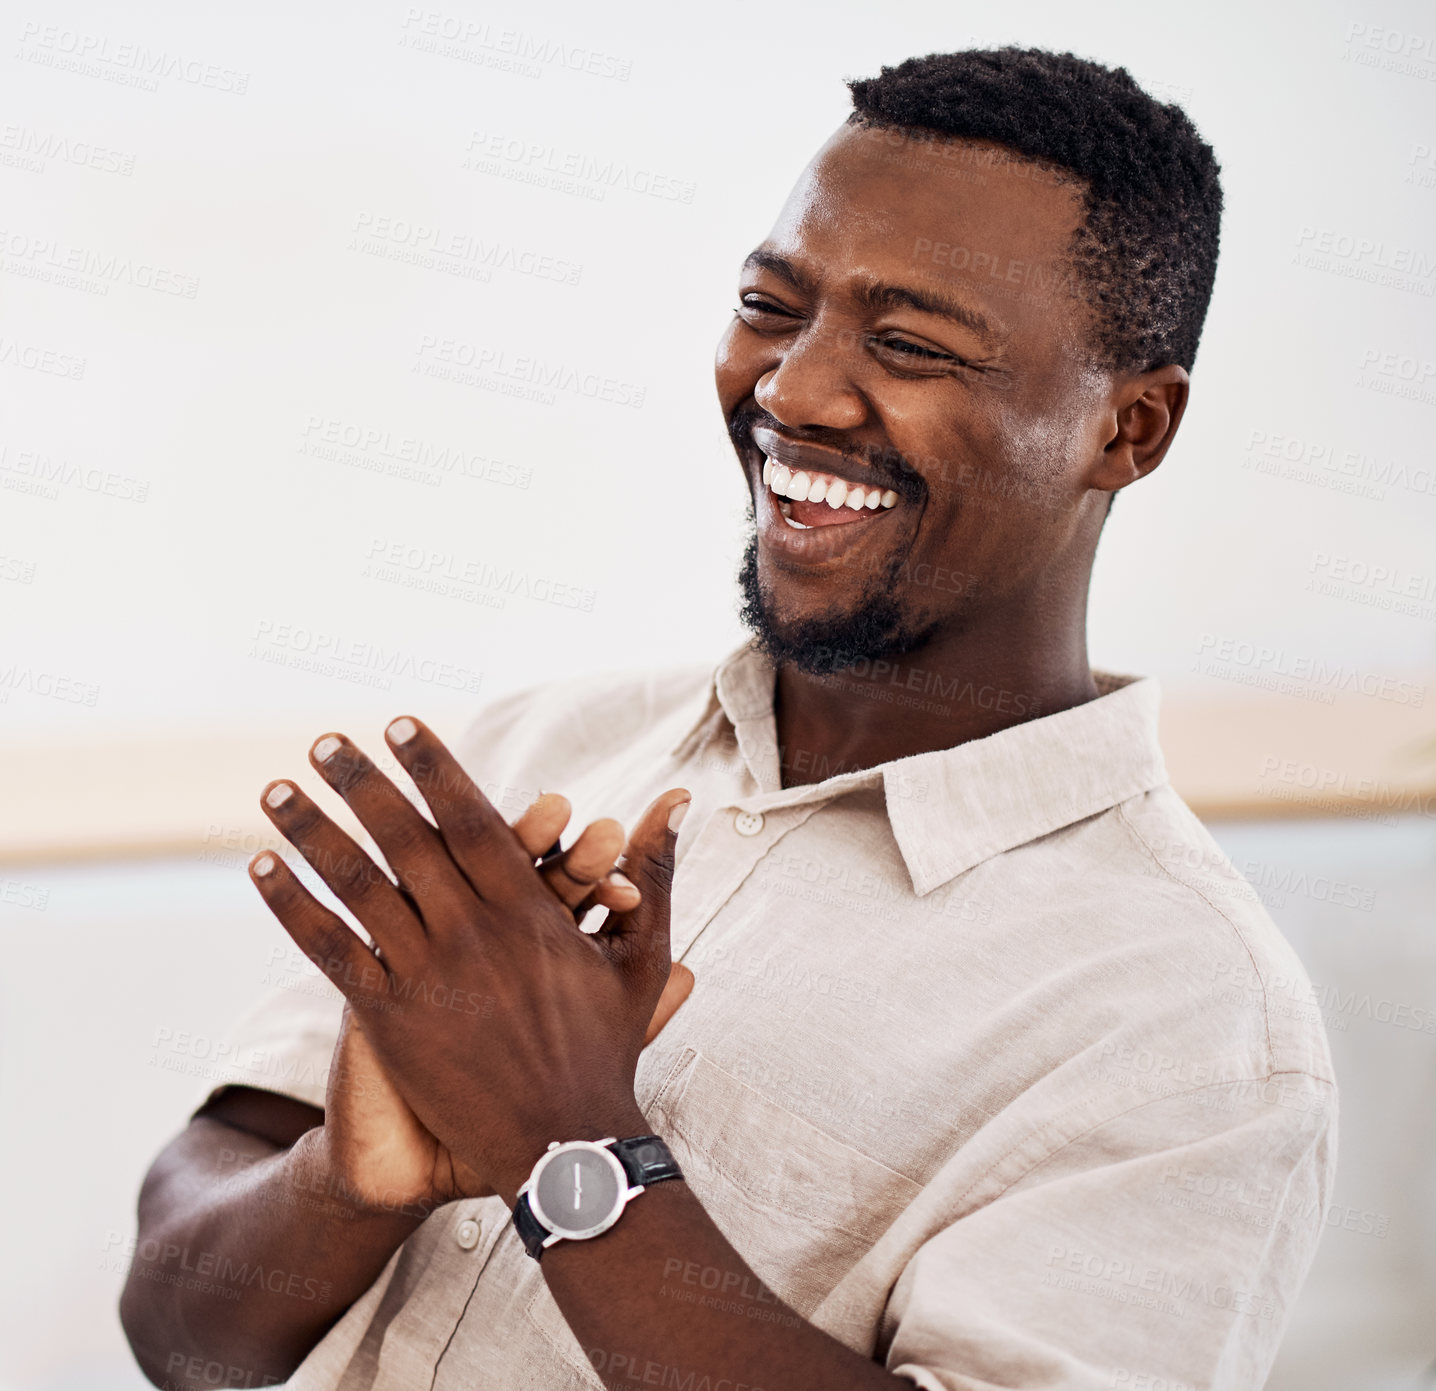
911,326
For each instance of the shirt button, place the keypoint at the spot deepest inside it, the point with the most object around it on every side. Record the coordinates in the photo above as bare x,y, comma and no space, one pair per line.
748,823
468,1234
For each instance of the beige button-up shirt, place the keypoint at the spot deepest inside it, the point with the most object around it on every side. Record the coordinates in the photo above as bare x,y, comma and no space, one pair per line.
991,1070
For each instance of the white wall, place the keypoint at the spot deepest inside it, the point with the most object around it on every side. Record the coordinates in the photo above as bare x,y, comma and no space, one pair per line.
152,607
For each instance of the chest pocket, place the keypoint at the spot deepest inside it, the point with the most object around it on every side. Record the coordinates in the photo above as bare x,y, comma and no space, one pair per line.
799,1206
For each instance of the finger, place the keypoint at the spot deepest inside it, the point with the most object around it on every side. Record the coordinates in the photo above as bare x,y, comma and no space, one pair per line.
615,891
480,841
638,940
573,875
540,826
677,989
324,937
414,849
648,861
358,883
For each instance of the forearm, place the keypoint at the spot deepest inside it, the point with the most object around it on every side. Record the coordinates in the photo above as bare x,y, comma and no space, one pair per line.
663,1297
247,1254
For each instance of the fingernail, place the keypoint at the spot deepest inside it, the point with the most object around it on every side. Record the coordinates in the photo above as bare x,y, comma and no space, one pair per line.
620,880
402,730
263,865
675,817
326,748
279,794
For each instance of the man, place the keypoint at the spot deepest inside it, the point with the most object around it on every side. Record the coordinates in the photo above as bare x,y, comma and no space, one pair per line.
982,1081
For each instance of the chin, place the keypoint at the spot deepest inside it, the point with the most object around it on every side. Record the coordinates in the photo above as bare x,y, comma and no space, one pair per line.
874,627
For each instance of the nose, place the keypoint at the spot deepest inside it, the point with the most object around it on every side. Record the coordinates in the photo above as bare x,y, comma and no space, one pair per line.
811,385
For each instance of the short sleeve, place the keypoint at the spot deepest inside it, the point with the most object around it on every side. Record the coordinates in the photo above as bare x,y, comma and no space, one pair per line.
285,1042
1164,1246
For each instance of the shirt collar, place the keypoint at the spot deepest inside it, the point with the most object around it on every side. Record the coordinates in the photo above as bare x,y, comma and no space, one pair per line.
950,809
953,808
741,686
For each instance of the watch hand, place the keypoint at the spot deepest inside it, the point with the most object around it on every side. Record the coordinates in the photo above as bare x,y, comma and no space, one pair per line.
577,1186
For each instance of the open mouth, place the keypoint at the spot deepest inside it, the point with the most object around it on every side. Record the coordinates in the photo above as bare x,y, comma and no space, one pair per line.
807,498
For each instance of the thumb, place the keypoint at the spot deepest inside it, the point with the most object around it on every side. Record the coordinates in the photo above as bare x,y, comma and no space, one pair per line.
639,937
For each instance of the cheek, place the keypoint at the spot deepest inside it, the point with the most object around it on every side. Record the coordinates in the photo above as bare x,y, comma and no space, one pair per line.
735,367
1051,435
1027,447
950,443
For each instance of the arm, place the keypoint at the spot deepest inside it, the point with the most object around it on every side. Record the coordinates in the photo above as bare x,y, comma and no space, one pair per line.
1165,1245
248,1187
263,1221
622,1296
563,1025
1019,1291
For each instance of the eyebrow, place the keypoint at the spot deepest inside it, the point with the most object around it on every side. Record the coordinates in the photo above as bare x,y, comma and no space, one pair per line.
876,296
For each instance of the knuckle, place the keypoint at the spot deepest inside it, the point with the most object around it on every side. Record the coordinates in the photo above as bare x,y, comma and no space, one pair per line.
348,871
421,883
658,870
346,770
403,837
433,776
331,949
465,818
299,815
568,889
583,868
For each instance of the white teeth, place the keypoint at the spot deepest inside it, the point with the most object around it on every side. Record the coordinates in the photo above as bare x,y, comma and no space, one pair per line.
800,486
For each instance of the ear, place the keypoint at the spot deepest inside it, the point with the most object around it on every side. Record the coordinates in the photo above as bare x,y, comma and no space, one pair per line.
1145,413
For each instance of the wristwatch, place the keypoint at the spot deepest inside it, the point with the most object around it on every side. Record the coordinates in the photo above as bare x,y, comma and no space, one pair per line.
580,1189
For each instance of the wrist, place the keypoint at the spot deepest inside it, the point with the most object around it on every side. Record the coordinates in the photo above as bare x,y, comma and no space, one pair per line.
581,1188
620,1121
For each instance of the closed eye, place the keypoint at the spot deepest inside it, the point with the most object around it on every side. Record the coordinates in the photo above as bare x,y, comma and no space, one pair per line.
755,305
901,345
917,358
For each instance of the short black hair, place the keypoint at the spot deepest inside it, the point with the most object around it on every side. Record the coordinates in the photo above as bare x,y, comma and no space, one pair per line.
1146,256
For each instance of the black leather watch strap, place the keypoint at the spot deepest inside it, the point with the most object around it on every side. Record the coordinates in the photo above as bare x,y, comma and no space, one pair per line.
646,1159
531,1233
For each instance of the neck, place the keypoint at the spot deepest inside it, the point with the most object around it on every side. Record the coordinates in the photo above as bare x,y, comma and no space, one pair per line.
999,670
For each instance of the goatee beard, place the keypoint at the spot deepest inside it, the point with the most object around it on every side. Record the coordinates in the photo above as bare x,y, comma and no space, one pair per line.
874,629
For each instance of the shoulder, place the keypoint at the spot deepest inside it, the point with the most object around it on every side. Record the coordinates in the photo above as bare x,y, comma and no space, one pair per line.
1178,1007
1209,927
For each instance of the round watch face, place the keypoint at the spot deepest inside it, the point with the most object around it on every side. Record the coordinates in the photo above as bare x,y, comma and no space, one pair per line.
578,1190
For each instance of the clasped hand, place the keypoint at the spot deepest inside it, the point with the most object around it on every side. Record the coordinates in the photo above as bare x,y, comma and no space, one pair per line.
496,1021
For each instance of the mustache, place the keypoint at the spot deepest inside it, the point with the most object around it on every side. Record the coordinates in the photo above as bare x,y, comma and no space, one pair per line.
889,466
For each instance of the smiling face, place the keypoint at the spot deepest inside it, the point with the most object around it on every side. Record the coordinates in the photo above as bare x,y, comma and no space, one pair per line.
909,366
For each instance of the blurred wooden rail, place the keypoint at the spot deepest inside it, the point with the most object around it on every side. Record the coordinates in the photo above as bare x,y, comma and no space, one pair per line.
1233,757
